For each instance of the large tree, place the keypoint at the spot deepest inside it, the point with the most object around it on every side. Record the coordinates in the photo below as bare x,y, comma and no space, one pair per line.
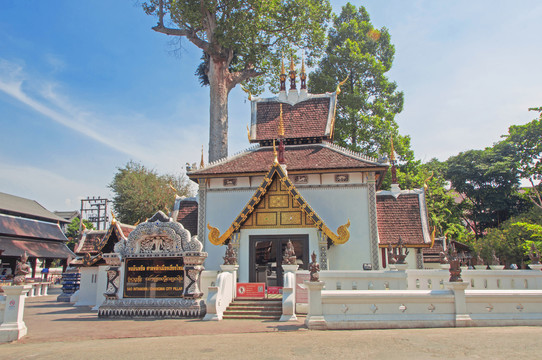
369,101
139,192
240,40
526,140
486,181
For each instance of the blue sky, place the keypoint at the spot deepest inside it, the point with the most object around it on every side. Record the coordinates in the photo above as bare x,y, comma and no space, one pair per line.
86,86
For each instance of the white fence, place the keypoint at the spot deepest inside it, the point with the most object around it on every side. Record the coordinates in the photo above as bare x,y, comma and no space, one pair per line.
452,307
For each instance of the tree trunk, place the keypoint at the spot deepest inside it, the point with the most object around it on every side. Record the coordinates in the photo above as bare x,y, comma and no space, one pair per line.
219,83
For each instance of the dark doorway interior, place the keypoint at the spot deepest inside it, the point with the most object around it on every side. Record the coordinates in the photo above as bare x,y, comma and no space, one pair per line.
266,256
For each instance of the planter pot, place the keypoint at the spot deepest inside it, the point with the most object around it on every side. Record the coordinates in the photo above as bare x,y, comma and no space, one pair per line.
536,267
496,267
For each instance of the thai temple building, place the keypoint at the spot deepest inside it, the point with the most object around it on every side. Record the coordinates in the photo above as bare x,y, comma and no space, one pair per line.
295,184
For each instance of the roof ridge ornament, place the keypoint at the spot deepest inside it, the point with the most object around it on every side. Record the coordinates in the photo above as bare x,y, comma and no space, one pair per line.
338,91
202,163
247,91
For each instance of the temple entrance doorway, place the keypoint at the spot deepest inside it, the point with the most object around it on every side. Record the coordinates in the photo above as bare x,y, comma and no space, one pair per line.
266,253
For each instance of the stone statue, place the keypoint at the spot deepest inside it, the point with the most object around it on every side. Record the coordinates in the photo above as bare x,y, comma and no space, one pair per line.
397,254
21,270
495,260
230,258
289,257
455,265
534,255
443,258
314,268
391,255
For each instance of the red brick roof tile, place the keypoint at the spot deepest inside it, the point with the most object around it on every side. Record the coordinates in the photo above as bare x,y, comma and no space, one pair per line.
89,242
298,158
308,118
400,217
188,216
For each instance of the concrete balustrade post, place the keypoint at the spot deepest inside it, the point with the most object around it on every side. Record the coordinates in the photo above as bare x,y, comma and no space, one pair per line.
462,318
13,326
315,319
288,293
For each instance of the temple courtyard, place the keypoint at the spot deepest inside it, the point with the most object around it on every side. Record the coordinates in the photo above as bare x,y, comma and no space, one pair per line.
61,331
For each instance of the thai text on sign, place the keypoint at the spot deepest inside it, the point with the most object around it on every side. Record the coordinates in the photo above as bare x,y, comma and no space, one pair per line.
154,278
251,290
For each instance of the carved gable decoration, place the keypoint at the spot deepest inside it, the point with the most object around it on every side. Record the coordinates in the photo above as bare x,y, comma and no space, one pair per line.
158,236
278,203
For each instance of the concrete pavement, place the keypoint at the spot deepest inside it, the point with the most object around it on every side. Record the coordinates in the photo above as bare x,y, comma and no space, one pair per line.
61,331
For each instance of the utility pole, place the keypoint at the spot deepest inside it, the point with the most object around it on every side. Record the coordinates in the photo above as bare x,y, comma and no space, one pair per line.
95,211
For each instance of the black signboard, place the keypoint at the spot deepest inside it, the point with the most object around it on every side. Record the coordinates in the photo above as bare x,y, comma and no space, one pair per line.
153,278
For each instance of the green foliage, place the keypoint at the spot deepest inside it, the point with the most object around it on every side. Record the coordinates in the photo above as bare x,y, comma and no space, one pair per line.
248,34
140,192
72,231
487,181
444,215
512,241
368,102
526,140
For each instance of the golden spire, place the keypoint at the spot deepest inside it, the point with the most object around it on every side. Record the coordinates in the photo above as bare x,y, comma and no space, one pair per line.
303,76
276,160
282,74
113,219
341,84
292,66
202,163
303,64
248,133
281,123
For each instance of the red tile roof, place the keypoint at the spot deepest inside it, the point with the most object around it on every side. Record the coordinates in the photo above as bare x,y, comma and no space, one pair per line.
188,216
89,242
401,217
322,156
308,118
30,229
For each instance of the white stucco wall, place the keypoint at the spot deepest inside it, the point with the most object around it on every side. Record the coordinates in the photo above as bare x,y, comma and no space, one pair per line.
335,205
88,286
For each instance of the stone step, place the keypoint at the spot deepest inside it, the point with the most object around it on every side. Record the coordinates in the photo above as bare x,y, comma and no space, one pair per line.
250,317
245,308
254,312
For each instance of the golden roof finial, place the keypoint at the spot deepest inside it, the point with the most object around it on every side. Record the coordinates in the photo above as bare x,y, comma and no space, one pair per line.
303,64
276,160
202,163
292,66
247,91
341,84
281,123
172,188
392,152
248,133
113,219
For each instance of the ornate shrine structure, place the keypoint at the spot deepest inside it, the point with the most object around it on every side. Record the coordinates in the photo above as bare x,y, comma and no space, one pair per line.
295,184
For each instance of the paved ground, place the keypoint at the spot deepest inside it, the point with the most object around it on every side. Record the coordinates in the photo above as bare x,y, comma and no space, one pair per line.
60,331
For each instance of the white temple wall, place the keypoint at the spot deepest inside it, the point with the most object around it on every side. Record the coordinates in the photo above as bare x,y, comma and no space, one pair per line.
335,205
88,286
221,210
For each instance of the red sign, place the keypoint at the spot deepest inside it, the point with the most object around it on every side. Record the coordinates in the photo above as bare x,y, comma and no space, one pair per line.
251,290
274,289
301,294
